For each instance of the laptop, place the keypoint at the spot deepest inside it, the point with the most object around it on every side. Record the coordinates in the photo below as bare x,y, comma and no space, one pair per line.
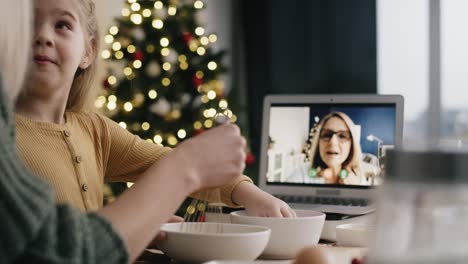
326,152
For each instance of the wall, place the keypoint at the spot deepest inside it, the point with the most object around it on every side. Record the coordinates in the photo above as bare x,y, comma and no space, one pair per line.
289,128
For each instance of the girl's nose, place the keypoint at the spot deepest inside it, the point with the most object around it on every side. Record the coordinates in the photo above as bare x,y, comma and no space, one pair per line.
43,37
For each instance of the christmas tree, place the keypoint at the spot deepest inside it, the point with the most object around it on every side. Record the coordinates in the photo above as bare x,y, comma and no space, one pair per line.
163,80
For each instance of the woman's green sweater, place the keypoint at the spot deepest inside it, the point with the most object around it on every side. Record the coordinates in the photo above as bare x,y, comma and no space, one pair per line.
33,229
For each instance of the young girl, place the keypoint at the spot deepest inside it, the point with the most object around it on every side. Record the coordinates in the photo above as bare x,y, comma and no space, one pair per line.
35,229
77,151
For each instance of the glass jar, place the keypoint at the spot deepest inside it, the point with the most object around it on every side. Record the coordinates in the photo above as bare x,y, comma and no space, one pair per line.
422,213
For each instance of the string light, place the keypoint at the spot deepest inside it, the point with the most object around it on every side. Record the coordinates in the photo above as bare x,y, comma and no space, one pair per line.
146,13
166,82
152,94
150,48
135,7
213,38
137,64
136,19
198,4
205,99
172,10
201,51
199,31
116,46
204,40
128,71
197,125
100,102
114,30
164,42
112,98
193,46
158,5
112,80
158,139
172,140
181,134
125,12
211,112
211,95
223,104
105,54
145,126
157,23
131,49
119,55
111,105
123,125
182,58
166,66
165,52
109,39
184,66
233,118
136,127
138,99
208,123
128,106
176,114
199,74
212,65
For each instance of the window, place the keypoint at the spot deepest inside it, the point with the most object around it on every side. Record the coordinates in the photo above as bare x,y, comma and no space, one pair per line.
403,65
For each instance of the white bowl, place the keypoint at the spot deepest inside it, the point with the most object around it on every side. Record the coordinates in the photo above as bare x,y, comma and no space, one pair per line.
199,242
288,235
352,235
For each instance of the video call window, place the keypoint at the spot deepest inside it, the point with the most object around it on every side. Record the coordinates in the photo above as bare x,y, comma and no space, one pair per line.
339,144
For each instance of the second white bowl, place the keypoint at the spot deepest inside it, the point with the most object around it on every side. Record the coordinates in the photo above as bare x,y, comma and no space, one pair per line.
288,235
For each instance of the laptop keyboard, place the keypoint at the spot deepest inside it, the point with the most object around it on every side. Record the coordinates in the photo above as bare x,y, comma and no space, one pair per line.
324,200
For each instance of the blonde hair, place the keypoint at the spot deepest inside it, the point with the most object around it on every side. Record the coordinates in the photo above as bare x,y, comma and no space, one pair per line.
353,161
84,78
15,44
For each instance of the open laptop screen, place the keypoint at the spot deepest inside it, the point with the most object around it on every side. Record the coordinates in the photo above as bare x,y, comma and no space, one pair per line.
329,144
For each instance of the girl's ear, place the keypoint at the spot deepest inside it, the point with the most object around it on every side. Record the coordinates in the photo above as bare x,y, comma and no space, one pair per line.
90,54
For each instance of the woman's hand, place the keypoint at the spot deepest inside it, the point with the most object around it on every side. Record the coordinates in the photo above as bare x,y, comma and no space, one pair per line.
260,203
214,157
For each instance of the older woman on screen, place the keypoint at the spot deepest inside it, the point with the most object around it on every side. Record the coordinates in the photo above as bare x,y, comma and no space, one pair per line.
336,151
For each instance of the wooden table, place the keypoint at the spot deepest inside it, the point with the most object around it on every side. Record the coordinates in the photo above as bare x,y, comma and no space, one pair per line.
340,255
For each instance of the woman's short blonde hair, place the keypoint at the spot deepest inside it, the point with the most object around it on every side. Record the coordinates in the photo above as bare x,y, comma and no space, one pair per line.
83,78
15,44
353,162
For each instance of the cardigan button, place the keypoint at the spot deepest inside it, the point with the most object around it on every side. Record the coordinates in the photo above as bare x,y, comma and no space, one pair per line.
78,159
67,133
84,187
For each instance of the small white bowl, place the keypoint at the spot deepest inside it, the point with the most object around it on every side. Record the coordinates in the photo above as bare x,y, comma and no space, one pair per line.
352,235
288,235
200,242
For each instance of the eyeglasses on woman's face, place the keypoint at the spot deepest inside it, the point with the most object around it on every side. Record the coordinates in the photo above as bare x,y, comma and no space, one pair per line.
343,135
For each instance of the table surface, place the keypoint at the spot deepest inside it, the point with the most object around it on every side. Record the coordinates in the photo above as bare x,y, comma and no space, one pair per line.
339,255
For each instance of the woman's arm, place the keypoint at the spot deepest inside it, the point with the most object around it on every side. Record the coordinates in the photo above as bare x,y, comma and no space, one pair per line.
208,160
